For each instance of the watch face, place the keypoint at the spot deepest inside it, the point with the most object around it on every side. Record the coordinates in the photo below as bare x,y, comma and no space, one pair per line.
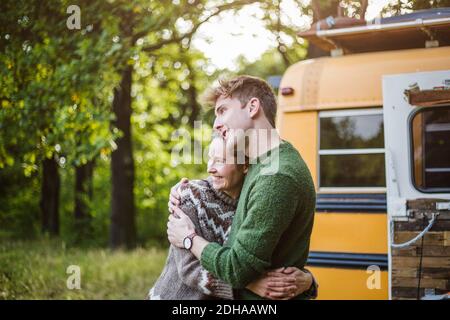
187,242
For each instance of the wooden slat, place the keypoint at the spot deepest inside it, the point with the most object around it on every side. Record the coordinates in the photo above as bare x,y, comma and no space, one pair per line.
431,273
432,262
426,98
404,272
442,223
436,273
410,292
439,238
442,284
428,251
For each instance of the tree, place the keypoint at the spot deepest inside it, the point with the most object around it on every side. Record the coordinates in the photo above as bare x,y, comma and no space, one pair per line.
401,7
48,95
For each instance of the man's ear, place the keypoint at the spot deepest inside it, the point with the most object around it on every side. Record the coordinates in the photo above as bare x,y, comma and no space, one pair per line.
254,106
245,168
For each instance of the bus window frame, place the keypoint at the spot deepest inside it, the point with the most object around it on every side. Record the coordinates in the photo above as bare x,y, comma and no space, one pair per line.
346,113
411,117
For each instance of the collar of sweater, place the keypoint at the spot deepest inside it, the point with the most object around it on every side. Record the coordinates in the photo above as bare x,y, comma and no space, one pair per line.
266,155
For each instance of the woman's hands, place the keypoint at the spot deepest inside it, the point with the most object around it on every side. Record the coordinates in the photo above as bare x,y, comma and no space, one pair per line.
174,197
282,283
179,227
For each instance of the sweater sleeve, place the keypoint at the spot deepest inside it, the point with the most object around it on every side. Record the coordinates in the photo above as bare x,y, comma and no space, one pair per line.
189,267
194,275
271,206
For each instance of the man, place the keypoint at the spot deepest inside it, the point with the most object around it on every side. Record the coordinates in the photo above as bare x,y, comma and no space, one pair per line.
275,213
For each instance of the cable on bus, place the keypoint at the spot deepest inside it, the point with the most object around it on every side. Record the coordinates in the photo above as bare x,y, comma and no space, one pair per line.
420,235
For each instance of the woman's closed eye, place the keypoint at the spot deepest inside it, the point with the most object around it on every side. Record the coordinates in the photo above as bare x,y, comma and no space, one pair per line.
216,161
219,162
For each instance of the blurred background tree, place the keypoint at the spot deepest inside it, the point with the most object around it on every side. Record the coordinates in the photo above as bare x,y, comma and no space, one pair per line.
406,6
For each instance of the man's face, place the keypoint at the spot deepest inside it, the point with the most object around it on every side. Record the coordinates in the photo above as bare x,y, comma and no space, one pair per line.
231,114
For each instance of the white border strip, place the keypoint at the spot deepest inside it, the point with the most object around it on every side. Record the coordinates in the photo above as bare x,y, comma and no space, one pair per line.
352,189
418,23
349,113
350,151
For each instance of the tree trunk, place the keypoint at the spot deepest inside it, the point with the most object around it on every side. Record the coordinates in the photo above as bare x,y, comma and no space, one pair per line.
83,197
50,197
192,95
123,228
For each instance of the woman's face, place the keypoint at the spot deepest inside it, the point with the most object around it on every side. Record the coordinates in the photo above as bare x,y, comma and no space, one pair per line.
226,177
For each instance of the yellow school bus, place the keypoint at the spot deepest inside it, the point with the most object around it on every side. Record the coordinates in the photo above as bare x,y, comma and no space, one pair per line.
331,109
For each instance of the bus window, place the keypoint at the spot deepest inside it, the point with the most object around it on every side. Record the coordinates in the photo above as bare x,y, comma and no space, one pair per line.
430,136
351,149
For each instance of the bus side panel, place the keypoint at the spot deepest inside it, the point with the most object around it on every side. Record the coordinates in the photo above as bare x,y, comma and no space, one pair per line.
300,129
348,284
350,232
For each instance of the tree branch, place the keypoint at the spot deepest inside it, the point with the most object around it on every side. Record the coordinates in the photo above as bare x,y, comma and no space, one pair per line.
363,9
219,9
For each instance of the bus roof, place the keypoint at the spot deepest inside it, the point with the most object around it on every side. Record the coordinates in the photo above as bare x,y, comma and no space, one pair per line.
414,30
352,81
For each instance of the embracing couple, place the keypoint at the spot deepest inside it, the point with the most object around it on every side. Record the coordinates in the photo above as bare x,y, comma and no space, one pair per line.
244,232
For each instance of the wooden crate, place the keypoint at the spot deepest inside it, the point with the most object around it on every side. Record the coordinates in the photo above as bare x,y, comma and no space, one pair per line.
435,271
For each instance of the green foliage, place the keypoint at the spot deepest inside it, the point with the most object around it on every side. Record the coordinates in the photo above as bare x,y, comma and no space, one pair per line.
161,108
38,271
407,6
19,204
56,102
57,83
271,62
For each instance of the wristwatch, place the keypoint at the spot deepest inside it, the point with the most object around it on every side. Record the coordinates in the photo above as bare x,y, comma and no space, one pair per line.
187,242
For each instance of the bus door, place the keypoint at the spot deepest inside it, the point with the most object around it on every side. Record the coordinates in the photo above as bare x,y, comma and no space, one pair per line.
417,157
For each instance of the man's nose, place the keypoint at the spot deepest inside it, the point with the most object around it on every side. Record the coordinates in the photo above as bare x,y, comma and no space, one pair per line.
217,124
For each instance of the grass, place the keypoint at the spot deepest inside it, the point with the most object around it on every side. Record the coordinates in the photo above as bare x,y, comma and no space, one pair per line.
37,270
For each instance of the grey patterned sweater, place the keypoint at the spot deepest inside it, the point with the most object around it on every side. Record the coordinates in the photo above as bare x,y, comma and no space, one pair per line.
183,277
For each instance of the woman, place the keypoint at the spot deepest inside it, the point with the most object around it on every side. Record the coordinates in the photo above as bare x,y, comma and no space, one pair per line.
211,204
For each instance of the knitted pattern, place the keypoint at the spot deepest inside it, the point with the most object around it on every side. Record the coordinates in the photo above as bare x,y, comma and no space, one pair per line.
183,277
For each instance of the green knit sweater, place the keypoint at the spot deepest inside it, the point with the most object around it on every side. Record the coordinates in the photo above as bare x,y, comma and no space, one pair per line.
272,225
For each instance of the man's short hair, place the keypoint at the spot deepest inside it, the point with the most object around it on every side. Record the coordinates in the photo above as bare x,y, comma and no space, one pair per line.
244,88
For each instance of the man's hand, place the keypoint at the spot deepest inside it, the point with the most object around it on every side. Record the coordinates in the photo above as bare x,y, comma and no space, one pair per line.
302,281
282,283
179,228
175,197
